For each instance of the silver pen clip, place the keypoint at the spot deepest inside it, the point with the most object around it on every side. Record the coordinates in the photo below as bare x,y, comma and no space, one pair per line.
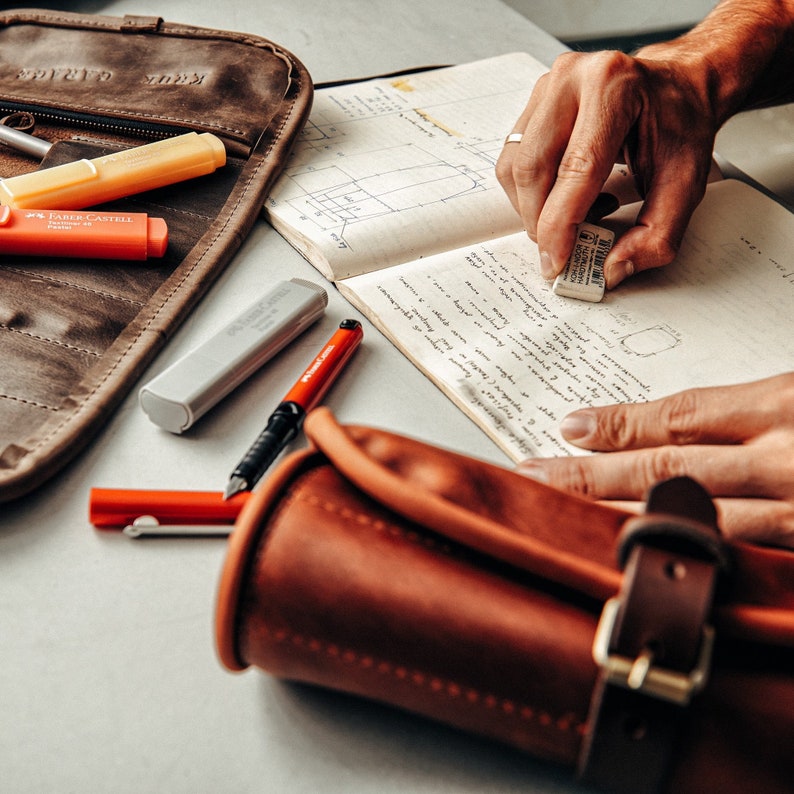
149,526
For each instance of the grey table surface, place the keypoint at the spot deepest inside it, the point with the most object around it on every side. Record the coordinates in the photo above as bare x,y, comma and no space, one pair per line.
109,678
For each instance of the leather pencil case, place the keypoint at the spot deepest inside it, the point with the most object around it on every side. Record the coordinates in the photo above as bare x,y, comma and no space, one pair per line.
644,651
75,335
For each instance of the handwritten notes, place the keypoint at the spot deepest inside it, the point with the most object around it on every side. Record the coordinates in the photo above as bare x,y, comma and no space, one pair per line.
391,194
483,325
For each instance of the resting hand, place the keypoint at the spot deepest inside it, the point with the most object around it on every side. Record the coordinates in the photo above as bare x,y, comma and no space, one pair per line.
591,111
737,441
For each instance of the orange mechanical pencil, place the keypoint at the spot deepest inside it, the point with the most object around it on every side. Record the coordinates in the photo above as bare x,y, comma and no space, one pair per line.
88,235
285,422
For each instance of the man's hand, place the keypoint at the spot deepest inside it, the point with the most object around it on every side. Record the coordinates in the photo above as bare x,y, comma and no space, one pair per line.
737,441
591,111
660,111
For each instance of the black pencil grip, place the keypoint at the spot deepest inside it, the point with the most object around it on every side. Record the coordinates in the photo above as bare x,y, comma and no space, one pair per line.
282,426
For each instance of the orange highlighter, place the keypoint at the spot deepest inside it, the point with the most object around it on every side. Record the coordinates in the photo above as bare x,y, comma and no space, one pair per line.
88,235
86,183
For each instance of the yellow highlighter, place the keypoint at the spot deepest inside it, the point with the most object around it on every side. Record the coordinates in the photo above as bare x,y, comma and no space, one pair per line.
85,183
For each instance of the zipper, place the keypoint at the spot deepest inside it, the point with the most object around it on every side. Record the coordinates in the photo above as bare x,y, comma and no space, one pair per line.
141,129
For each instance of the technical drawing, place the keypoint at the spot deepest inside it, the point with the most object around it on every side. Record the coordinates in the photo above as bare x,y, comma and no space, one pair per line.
333,196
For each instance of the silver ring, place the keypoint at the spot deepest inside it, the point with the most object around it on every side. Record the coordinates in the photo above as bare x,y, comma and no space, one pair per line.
514,137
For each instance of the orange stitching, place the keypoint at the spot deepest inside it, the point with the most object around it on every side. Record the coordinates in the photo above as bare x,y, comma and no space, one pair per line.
376,523
454,691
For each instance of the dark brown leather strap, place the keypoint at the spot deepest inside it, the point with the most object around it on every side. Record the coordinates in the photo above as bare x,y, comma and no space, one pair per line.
654,640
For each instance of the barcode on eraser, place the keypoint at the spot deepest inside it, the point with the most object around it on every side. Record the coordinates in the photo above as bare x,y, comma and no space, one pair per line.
583,275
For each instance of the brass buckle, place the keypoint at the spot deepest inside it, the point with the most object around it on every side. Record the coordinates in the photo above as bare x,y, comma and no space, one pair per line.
639,674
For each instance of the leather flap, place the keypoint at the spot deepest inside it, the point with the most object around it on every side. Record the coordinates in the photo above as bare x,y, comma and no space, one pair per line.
479,505
551,534
143,71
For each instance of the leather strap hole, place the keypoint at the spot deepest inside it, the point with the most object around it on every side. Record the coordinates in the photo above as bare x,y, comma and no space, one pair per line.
675,570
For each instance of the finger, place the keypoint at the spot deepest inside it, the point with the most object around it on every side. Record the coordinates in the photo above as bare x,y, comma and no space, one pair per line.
757,521
595,144
673,187
745,518
504,164
709,415
526,169
766,521
734,471
579,182
651,243
536,161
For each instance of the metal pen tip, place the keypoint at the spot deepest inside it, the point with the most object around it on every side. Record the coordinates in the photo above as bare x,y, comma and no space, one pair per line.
234,486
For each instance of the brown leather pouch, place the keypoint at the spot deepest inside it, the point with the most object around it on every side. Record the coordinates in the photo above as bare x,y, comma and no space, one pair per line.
75,335
381,566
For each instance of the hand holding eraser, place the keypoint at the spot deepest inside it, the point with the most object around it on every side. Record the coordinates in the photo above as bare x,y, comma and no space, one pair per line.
583,275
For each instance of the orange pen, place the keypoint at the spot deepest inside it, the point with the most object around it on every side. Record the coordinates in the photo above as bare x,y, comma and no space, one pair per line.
285,422
114,508
88,235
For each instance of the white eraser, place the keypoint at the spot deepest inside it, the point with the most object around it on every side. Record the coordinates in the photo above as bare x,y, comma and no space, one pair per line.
185,391
583,276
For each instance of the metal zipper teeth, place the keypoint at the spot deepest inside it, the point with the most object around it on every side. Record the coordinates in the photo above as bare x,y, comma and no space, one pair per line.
141,129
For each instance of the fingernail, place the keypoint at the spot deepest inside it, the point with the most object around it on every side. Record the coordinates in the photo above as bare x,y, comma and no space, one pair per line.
533,469
578,426
617,272
546,266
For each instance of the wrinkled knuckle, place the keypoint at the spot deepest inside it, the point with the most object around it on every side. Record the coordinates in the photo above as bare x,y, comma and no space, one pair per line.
612,62
680,417
504,170
614,431
576,476
663,463
563,64
785,525
578,165
781,399
779,531
666,250
525,169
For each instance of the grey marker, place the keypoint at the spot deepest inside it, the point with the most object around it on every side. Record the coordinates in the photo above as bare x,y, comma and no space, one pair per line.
185,391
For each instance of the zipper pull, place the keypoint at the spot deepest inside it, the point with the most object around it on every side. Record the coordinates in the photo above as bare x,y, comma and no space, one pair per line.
12,133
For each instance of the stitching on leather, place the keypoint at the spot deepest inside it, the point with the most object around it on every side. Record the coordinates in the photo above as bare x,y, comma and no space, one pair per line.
32,403
376,523
56,342
436,685
153,205
72,416
66,283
